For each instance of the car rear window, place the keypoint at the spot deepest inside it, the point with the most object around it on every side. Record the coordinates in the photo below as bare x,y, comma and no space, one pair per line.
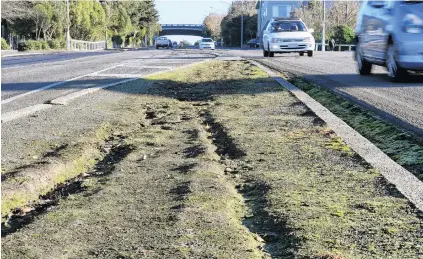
283,26
162,38
207,40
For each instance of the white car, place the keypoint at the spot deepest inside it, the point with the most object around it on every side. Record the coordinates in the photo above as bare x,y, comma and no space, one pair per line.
285,35
206,43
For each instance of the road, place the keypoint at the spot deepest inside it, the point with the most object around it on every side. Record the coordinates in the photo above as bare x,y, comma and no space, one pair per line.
31,84
400,103
31,87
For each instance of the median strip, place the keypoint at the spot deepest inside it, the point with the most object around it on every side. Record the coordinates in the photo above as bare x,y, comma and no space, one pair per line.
226,164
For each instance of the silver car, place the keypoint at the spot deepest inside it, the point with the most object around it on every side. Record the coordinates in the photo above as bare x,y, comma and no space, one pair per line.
390,34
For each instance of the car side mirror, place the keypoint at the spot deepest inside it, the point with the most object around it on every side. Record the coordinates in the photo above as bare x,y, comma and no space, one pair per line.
310,30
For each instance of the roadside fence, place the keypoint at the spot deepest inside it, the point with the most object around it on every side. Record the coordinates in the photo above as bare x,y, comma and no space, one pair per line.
338,47
87,45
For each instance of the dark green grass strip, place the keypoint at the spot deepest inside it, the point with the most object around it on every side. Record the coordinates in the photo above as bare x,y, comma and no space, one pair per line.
402,147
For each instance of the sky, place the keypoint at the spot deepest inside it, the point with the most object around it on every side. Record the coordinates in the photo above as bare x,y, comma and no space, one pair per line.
188,12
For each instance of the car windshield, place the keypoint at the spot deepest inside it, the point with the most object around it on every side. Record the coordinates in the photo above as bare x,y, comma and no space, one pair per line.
285,26
162,38
207,40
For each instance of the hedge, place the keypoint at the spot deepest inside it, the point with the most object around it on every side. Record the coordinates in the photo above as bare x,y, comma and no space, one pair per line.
33,45
4,44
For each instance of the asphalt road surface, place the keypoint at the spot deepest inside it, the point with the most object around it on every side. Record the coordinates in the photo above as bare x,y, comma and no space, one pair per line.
400,103
36,79
32,90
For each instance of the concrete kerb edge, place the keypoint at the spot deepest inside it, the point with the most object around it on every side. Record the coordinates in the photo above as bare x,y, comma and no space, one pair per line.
405,182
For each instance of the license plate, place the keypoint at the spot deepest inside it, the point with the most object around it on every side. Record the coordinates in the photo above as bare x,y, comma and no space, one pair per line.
292,45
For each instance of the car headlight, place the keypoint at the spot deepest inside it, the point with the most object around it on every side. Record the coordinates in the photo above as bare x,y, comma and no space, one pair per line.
413,23
276,40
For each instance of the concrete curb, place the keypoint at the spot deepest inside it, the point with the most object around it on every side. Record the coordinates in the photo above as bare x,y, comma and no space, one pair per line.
408,184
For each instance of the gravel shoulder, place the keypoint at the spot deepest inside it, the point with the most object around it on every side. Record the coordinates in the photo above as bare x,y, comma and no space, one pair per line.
216,161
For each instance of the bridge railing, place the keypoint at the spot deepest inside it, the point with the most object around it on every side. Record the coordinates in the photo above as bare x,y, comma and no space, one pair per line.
338,47
87,45
181,25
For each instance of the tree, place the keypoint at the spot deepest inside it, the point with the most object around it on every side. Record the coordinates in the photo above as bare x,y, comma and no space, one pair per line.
231,23
212,25
343,34
88,20
338,13
132,21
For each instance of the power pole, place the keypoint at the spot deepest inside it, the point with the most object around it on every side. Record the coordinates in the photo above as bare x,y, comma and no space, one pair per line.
68,47
242,22
323,26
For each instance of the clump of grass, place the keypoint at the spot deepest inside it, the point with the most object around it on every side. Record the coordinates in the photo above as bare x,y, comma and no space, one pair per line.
401,146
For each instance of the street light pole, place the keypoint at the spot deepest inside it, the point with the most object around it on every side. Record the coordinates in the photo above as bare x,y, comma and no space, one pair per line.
242,22
68,26
323,26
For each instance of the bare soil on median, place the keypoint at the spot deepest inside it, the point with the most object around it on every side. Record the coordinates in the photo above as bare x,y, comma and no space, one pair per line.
220,162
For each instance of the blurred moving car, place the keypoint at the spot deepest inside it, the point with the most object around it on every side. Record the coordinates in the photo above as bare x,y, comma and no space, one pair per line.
390,34
162,42
206,43
254,43
285,35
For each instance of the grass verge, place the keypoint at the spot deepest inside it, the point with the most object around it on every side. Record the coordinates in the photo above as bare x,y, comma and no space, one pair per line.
402,147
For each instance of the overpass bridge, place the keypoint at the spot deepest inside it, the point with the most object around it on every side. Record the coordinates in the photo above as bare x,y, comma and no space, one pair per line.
182,29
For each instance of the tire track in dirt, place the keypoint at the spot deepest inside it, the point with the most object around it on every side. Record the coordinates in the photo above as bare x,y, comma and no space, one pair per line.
113,151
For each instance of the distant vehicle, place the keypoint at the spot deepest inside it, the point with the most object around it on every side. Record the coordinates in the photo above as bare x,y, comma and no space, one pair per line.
254,43
162,42
390,34
206,43
285,35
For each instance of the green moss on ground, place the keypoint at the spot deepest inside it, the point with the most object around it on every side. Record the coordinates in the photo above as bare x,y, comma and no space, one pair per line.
402,147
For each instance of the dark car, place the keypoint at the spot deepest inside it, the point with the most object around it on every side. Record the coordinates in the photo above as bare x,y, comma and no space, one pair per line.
254,43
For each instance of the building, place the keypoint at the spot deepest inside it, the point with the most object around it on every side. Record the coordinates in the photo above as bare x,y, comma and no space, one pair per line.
267,9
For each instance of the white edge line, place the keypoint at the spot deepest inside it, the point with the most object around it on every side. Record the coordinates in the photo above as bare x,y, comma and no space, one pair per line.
9,116
53,85
408,184
64,100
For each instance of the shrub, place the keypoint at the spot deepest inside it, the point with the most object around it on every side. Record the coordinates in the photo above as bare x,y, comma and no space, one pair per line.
33,45
343,34
4,44
56,44
23,46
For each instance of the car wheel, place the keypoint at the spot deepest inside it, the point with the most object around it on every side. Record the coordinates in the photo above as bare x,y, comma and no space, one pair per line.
395,72
271,54
364,67
310,53
301,53
265,53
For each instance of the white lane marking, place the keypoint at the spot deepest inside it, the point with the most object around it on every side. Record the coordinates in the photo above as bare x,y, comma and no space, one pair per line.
64,100
408,184
67,98
23,54
53,85
118,75
146,66
23,112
